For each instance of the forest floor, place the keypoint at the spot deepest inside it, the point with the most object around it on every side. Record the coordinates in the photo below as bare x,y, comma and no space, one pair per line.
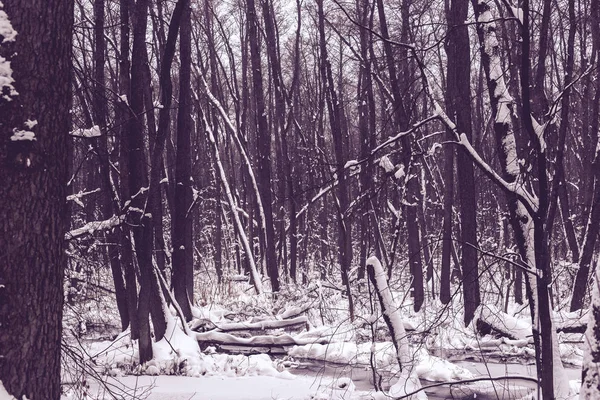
315,382
305,348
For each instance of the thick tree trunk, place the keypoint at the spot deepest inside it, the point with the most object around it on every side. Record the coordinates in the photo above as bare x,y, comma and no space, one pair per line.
459,108
183,255
124,117
150,296
33,177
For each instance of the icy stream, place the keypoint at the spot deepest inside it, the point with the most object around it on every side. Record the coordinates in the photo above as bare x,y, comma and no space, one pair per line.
363,379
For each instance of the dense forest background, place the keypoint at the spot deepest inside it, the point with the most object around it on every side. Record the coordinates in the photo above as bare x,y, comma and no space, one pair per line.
283,143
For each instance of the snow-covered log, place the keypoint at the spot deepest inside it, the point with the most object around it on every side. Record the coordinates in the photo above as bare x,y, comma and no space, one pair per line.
260,325
495,319
409,381
221,338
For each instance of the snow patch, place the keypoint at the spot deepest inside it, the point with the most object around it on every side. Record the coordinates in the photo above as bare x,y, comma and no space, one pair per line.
94,131
19,134
399,174
386,164
6,30
434,148
539,132
350,164
405,386
4,395
517,13
6,79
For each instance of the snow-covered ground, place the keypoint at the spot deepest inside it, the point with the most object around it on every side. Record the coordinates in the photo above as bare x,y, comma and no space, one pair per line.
335,355
215,387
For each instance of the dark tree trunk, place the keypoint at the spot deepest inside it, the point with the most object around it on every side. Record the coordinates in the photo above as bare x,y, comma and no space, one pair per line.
150,298
401,118
339,143
183,256
108,201
593,223
214,87
447,244
459,108
367,128
263,146
124,117
33,176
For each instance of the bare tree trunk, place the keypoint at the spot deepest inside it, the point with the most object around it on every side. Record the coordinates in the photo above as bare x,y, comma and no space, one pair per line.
339,144
124,116
459,108
401,119
36,101
218,237
593,222
263,147
183,256
150,298
108,201
447,244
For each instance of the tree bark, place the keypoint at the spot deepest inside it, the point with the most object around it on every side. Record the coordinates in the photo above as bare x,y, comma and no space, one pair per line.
33,177
101,144
183,256
401,118
263,147
459,108
339,143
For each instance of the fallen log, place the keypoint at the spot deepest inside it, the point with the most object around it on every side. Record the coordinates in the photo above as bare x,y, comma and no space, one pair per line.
494,320
579,328
260,325
203,325
221,338
491,318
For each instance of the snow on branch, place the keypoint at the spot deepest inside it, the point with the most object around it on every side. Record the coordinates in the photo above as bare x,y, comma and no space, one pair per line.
398,136
515,187
78,196
321,193
94,226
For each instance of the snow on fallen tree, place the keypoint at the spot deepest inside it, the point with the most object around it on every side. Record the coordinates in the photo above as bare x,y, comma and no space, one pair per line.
260,325
221,338
408,381
491,317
